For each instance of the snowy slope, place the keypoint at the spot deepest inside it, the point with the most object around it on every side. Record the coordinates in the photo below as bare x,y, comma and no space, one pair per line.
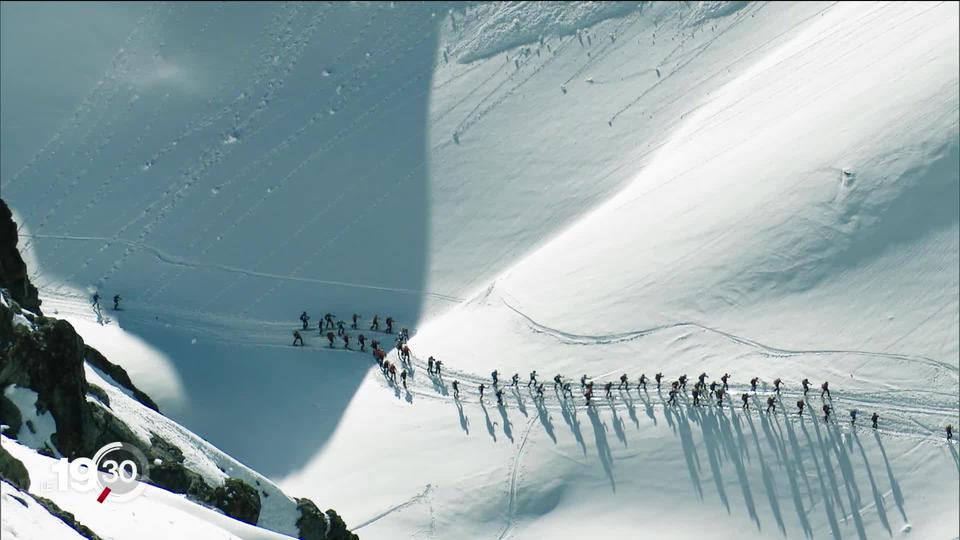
765,189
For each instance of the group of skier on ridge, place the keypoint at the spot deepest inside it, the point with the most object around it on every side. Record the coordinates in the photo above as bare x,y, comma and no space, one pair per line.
701,390
330,322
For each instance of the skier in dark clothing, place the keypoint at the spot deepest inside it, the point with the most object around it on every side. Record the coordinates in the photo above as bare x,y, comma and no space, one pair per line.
853,417
430,365
346,341
481,390
658,376
874,419
436,367
96,301
702,378
623,383
683,382
515,380
405,353
329,318
771,404
494,376
533,378
456,389
540,391
375,345
825,389
375,324
567,390
305,319
719,394
713,386
642,383
800,405
587,395
500,397
696,397
949,432
673,397
389,322
583,382
826,413
776,384
116,302
362,339
744,398
607,388
330,337
403,377
724,379
393,373
355,318
340,329
297,338
557,382
753,384
806,385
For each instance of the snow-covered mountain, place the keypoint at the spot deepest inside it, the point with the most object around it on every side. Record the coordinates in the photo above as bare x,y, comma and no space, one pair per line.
765,189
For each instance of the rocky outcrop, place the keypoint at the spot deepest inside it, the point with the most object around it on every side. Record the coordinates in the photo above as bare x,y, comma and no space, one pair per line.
13,271
12,470
119,375
316,525
237,499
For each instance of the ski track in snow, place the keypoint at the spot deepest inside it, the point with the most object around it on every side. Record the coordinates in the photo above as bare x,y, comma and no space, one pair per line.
514,476
422,496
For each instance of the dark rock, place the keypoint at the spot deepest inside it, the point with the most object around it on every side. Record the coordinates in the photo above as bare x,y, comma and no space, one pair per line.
338,529
312,523
12,470
10,416
175,477
238,500
100,394
13,271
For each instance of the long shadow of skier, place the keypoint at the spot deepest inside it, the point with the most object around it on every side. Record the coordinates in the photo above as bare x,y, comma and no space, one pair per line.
689,448
544,415
894,485
796,469
617,423
507,425
521,405
735,452
953,452
464,421
569,413
769,484
603,448
827,506
878,501
486,416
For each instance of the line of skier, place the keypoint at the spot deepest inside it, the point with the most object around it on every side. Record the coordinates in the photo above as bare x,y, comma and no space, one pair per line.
330,323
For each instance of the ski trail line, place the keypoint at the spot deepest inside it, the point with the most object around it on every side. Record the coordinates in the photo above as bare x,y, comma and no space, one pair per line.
514,474
409,502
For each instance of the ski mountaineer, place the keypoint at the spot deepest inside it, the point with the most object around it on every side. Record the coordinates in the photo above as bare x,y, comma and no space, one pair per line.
683,382
330,337
696,397
719,398
658,376
673,397
362,339
515,380
623,383
533,378
800,405
826,413
329,318
305,319
874,419
702,377
355,318
393,373
346,341
389,322
557,382
405,353
771,405
853,417
340,329
713,386
436,367
481,391
403,377
375,345
806,385
776,384
567,390
116,302
643,382
495,376
825,389
949,432
386,368
607,388
745,397
724,380
375,325
405,334
456,389
430,365
583,382
500,397
587,395
96,301
297,338
540,391
753,384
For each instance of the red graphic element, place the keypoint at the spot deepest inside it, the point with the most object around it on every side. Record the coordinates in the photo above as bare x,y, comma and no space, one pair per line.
103,495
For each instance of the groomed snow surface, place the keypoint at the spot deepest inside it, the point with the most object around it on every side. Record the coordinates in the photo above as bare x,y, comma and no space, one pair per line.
770,190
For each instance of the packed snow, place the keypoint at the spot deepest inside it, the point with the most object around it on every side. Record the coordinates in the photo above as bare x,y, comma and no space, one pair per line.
770,190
